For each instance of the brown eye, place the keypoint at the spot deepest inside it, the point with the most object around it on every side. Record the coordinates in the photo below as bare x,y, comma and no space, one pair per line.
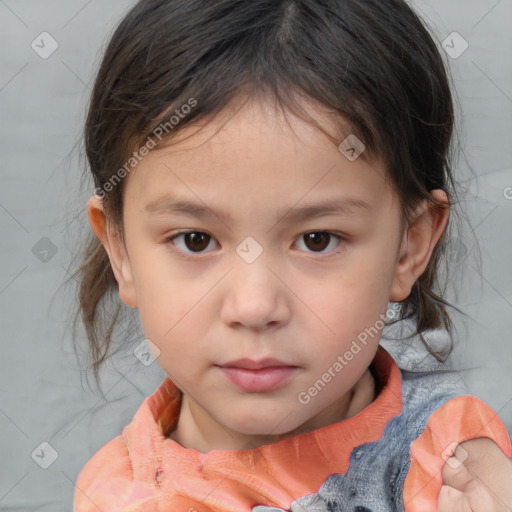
196,241
193,241
318,241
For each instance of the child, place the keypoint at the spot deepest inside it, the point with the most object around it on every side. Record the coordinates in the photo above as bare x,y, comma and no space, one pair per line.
270,175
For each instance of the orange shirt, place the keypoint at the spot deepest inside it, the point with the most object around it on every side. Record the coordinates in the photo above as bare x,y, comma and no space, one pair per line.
143,470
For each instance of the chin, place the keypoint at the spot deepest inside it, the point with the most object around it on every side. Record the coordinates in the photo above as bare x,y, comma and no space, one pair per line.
272,427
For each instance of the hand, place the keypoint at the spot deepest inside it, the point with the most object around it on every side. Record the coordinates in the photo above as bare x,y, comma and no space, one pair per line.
478,478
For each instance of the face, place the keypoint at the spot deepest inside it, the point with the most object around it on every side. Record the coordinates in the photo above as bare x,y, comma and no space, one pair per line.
232,253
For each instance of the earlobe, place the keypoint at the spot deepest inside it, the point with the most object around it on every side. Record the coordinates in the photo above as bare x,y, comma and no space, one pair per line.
418,243
115,249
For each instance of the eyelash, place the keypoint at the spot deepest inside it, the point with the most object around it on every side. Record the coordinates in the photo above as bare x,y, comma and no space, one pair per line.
170,240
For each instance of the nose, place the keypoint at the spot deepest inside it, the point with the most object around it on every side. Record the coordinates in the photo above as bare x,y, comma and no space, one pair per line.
255,297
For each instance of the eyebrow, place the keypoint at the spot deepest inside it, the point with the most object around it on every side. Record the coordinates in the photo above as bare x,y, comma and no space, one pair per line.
346,207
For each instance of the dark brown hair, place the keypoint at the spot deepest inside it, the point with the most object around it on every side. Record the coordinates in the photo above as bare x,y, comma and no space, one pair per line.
371,62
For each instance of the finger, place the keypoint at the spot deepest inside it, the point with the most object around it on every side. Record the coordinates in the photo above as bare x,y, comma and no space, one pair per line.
455,474
452,500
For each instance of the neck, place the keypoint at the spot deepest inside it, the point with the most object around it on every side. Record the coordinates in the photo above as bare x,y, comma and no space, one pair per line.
197,430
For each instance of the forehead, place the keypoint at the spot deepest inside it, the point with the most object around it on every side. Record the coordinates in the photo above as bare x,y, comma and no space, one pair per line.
256,151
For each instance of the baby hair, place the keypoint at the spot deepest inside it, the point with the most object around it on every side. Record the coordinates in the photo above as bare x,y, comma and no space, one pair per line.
172,63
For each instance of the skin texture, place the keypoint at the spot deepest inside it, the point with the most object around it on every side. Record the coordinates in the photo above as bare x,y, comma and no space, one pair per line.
300,302
211,308
481,480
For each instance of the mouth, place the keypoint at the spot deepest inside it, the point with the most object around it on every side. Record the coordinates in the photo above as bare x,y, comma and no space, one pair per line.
251,364
258,376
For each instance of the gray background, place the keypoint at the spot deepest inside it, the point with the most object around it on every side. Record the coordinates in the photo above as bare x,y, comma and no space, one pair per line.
44,395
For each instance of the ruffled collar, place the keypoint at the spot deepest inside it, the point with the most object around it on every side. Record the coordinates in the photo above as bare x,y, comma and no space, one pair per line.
276,473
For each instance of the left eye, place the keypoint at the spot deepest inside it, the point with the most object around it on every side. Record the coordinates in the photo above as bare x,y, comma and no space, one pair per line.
317,241
194,241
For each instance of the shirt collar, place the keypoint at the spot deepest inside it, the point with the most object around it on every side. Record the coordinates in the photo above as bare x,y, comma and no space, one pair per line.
302,462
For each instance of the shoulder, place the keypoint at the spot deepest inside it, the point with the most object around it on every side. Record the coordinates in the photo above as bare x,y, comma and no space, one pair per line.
422,387
107,483
109,465
124,474
431,386
424,393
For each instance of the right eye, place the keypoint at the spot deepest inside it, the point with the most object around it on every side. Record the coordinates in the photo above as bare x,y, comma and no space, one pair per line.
195,241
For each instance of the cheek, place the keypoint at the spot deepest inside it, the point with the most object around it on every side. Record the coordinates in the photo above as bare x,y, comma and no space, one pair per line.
350,303
160,305
350,312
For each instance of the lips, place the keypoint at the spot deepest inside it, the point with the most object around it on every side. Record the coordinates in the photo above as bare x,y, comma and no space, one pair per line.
258,376
250,364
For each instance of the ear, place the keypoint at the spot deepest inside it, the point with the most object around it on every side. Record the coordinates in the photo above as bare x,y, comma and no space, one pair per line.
115,249
417,245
